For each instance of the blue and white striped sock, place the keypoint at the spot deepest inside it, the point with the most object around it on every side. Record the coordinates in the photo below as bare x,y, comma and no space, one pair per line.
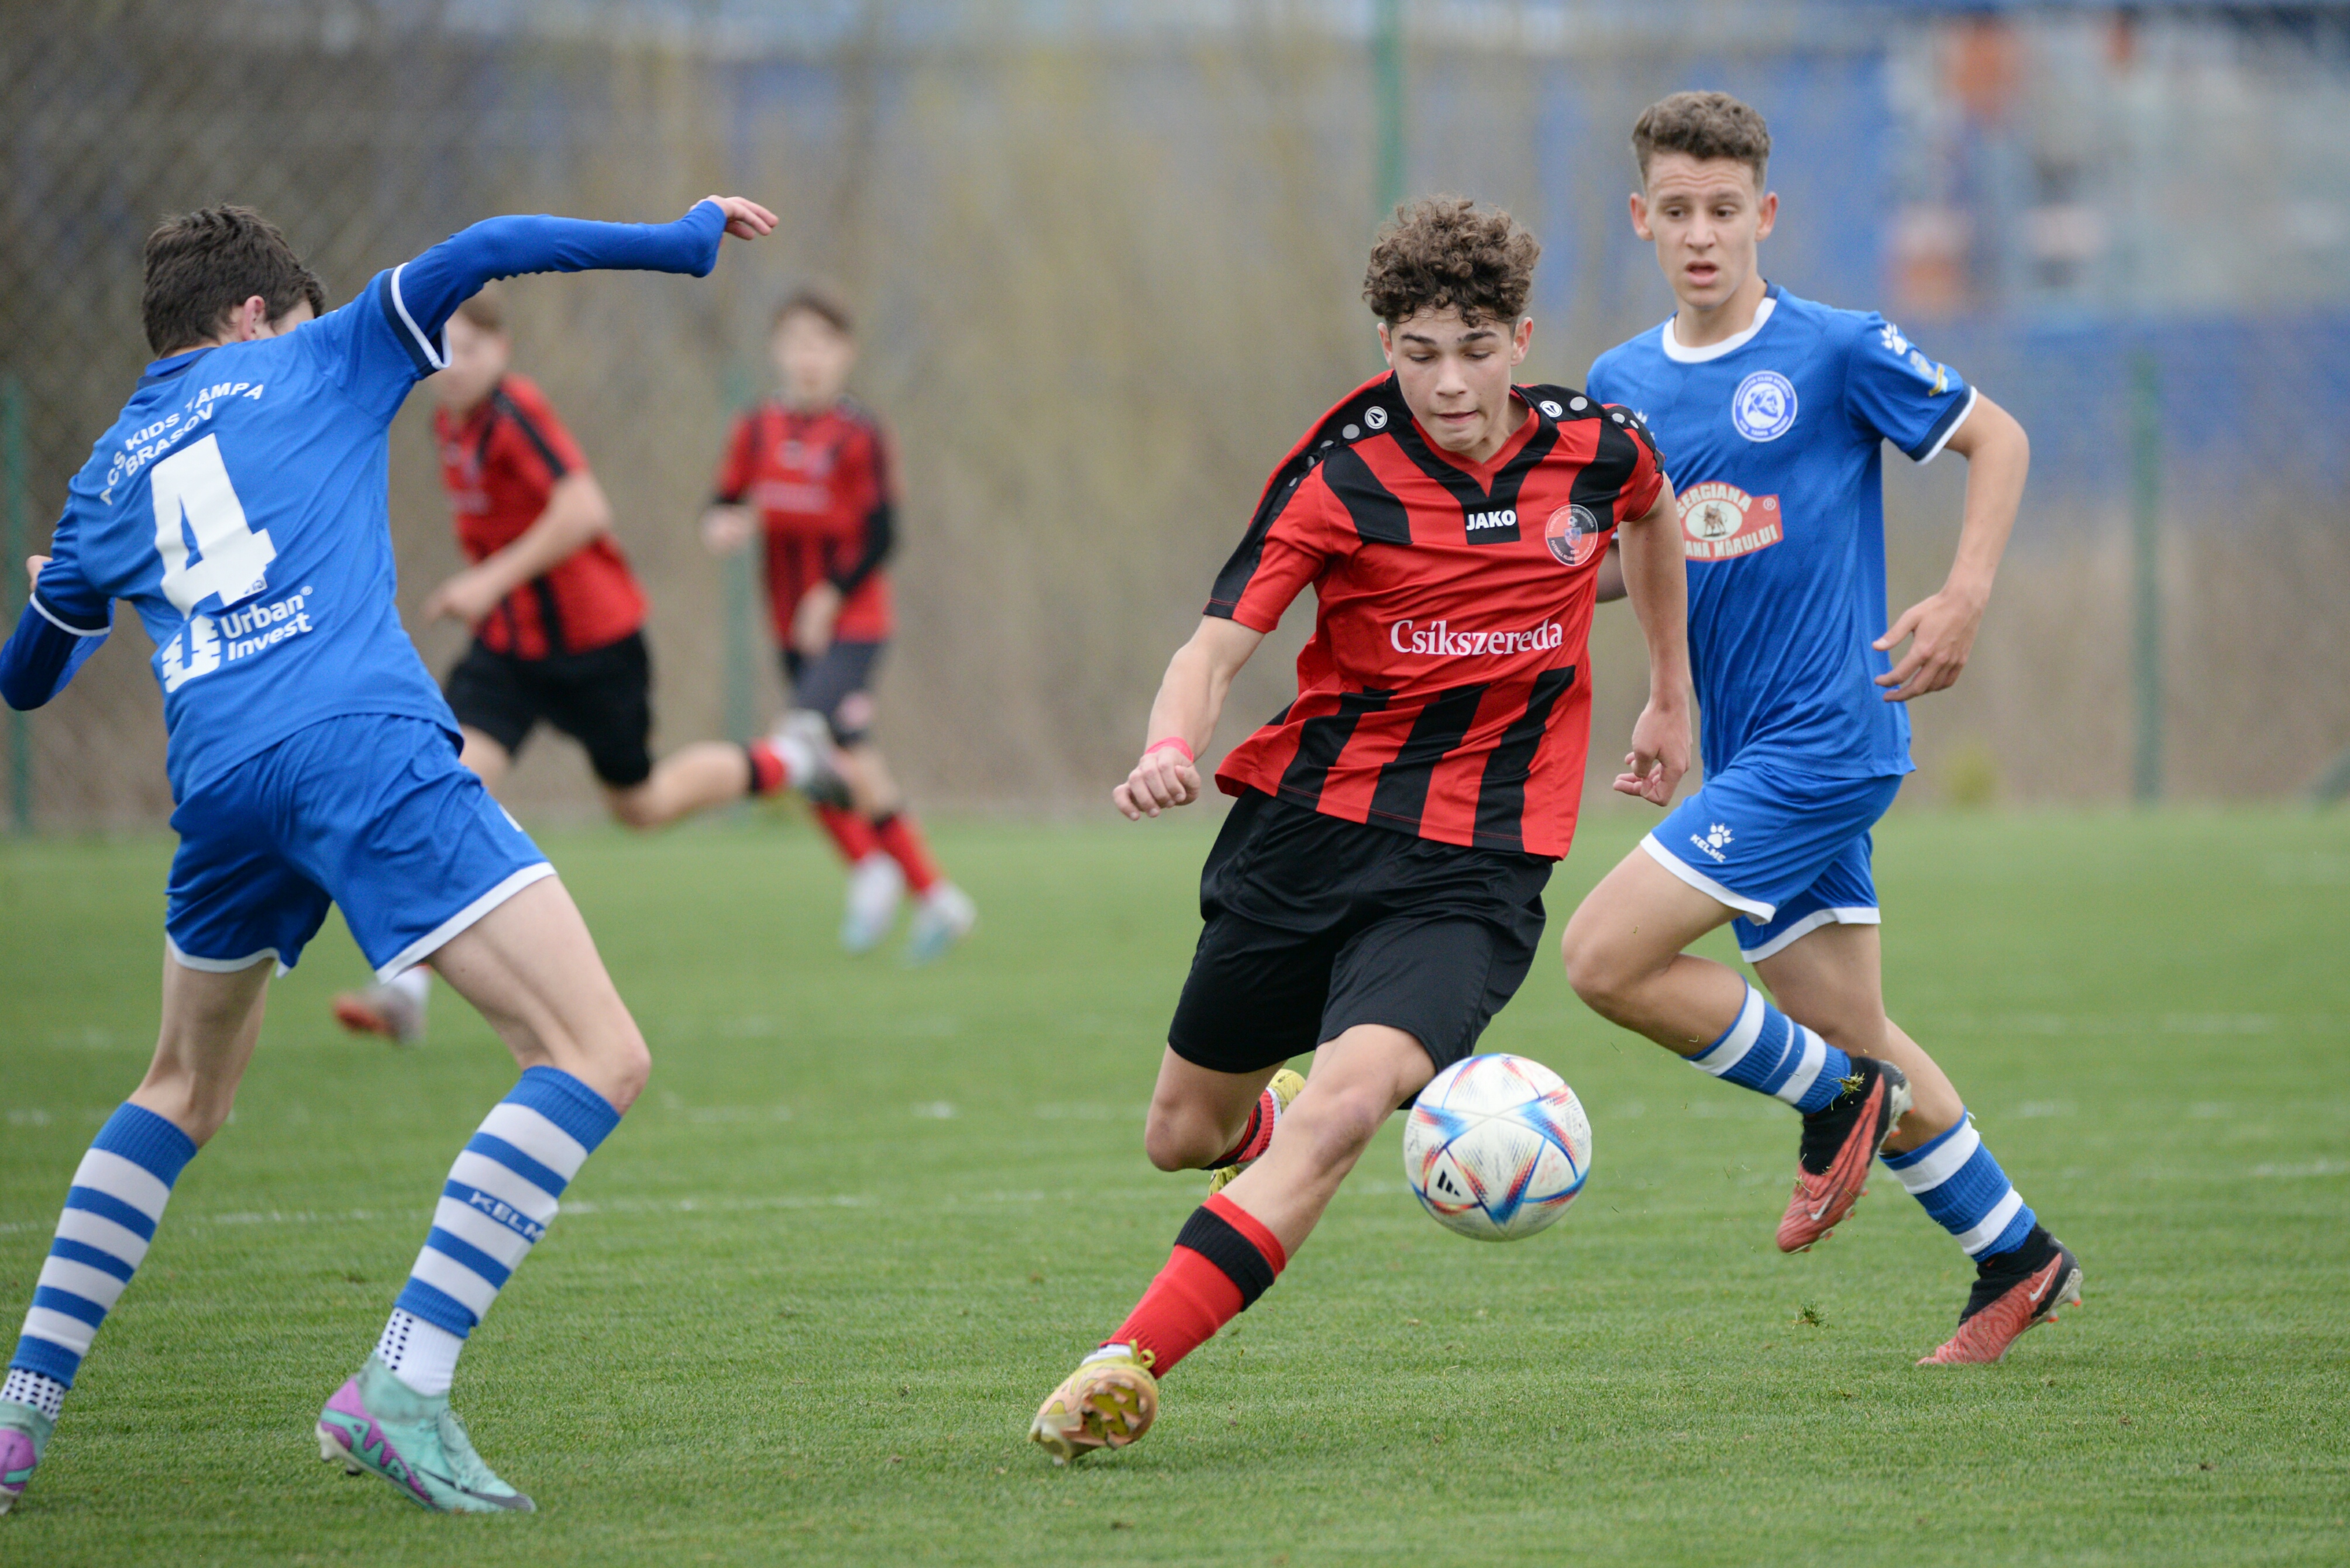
501,1196
1963,1187
118,1196
1769,1052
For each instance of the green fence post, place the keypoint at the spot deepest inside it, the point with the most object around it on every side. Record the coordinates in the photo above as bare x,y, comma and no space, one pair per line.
2146,542
1386,88
13,526
741,632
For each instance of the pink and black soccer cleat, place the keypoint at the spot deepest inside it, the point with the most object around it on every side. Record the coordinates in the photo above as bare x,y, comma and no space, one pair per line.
1840,1139
2013,1292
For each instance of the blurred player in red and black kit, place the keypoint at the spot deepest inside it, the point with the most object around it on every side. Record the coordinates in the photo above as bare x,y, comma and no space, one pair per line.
807,472
557,620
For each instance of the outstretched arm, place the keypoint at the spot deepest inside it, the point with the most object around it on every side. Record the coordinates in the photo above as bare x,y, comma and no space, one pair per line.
1656,578
1183,717
1999,455
426,292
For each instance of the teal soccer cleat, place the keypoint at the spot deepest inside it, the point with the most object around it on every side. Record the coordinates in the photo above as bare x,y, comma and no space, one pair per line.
23,1433
378,1426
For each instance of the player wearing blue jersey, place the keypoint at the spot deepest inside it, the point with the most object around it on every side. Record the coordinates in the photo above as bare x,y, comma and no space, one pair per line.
1772,412
239,503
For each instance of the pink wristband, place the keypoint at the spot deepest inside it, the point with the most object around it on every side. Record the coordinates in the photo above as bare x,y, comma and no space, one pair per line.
1175,741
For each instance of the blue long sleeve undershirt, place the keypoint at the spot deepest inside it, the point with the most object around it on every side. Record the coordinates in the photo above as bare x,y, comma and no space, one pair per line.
429,288
41,655
47,647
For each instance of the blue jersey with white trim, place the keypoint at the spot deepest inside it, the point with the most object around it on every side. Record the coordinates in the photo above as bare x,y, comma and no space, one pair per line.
240,504
1774,439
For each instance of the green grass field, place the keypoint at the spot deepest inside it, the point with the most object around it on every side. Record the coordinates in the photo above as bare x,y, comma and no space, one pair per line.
807,1297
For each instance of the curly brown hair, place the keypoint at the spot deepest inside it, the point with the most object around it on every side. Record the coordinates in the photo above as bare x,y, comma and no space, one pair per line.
1446,251
1702,125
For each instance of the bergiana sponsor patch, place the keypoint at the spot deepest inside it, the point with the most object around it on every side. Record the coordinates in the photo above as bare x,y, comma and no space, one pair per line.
1718,521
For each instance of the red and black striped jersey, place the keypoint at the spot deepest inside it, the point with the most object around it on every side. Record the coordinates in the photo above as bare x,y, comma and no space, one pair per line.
821,482
500,464
1442,693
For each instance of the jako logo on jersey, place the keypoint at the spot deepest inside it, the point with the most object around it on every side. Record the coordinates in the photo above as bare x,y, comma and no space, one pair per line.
1505,518
1572,534
1720,520
1438,638
1376,417
1764,407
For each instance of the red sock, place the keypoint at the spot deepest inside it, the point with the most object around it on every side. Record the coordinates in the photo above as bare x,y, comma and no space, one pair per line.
1222,1262
767,770
1256,1137
851,833
903,840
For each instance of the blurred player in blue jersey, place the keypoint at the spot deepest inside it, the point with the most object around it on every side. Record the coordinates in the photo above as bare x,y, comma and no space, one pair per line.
1771,411
239,503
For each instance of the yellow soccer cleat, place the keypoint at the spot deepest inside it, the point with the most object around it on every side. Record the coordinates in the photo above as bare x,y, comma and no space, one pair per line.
1106,1403
1282,1088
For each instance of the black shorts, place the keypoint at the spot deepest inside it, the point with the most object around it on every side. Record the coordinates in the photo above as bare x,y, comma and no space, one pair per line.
601,698
1315,924
837,684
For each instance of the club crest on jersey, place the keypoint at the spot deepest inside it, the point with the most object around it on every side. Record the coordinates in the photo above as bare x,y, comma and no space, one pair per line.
1572,534
1764,407
1495,526
1721,521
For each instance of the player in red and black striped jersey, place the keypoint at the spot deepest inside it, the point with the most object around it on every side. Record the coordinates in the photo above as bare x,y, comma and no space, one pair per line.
558,619
1376,895
807,472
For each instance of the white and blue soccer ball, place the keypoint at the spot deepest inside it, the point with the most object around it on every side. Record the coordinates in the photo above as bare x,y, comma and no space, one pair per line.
1496,1147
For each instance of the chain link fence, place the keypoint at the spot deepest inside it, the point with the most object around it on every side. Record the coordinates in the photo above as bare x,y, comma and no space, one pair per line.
1106,267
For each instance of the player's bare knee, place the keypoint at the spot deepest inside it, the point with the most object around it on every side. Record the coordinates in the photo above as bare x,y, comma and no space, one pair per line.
1169,1144
1333,1125
636,809
626,1064
1181,1138
1606,974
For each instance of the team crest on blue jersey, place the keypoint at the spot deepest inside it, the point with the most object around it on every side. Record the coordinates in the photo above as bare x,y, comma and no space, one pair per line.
1764,407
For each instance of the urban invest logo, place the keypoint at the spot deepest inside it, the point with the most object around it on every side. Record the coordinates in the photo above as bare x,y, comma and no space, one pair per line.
1438,638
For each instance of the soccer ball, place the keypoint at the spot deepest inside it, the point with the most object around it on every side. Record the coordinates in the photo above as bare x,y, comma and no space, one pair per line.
1496,1147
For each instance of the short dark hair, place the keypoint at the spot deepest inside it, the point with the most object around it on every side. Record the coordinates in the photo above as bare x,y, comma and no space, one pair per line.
486,308
820,302
1702,125
1443,251
202,265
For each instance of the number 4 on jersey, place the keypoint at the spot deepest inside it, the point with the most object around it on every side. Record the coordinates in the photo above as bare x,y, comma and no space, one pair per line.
232,557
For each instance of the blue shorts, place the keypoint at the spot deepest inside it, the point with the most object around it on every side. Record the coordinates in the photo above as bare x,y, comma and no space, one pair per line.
1786,848
370,811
